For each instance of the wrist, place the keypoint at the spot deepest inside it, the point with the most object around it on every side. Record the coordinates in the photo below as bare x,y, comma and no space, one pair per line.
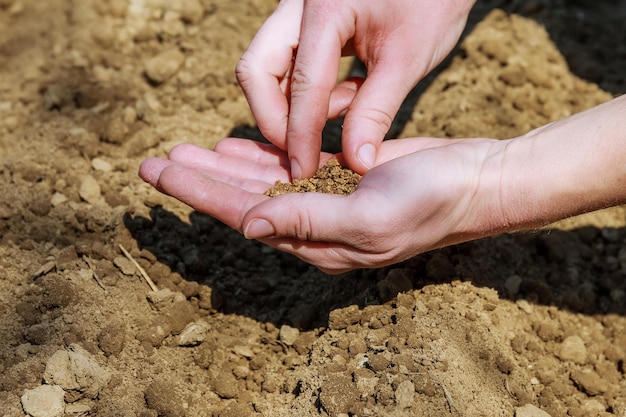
572,166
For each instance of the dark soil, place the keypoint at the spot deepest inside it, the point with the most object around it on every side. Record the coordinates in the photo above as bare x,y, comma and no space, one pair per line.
498,327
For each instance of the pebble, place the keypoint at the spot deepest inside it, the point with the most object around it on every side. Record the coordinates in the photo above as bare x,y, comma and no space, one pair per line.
164,65
405,394
288,334
193,334
243,351
90,190
573,349
530,410
100,164
75,370
57,199
44,401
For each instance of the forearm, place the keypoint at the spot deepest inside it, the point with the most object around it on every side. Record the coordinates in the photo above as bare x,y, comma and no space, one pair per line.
569,167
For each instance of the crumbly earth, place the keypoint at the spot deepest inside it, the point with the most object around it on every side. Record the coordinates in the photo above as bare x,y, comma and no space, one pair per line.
498,327
331,178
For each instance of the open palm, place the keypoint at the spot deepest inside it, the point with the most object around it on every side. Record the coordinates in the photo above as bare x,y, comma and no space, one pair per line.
419,196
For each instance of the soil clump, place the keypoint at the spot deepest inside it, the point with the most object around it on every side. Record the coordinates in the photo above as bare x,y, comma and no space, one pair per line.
331,178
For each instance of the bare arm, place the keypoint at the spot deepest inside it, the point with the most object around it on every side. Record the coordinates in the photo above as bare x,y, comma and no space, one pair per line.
568,167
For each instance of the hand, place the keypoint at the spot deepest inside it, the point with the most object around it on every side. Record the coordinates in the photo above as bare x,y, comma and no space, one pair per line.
293,94
420,196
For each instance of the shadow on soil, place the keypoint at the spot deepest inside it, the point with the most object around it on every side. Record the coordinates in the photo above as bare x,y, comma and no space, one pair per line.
581,270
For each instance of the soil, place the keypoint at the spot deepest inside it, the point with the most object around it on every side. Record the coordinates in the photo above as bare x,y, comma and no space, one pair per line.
527,324
331,178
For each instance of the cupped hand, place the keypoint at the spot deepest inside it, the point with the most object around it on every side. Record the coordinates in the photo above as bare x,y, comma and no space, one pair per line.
421,195
289,71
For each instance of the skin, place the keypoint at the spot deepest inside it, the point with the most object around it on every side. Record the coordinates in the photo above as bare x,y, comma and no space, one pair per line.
288,73
422,194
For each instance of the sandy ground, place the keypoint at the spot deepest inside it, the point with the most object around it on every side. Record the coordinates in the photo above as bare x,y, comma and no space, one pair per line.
530,324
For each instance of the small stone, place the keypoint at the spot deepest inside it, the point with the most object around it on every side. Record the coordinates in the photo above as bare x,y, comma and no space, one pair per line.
163,66
44,401
244,351
76,371
193,334
57,199
405,394
530,410
90,190
573,349
288,334
100,164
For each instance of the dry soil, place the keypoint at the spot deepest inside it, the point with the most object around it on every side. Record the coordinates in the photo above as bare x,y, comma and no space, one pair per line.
505,326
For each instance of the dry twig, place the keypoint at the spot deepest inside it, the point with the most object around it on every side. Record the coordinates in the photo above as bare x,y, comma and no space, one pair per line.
89,263
142,271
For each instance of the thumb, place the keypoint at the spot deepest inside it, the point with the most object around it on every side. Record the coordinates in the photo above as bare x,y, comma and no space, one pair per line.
313,217
370,116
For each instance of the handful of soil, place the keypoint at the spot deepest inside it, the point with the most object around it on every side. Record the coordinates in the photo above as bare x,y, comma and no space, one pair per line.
332,178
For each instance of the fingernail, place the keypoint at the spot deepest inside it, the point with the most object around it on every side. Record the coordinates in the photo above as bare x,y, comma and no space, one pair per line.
296,171
367,155
258,228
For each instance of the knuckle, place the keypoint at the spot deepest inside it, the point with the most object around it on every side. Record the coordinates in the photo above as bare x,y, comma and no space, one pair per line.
301,81
378,117
243,69
303,229
178,150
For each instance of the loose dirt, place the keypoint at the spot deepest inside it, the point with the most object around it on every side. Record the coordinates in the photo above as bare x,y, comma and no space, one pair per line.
331,178
523,324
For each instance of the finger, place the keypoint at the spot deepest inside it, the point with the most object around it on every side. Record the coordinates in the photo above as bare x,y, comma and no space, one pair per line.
150,169
330,258
262,70
342,95
218,165
311,217
371,113
313,78
321,229
261,153
225,202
